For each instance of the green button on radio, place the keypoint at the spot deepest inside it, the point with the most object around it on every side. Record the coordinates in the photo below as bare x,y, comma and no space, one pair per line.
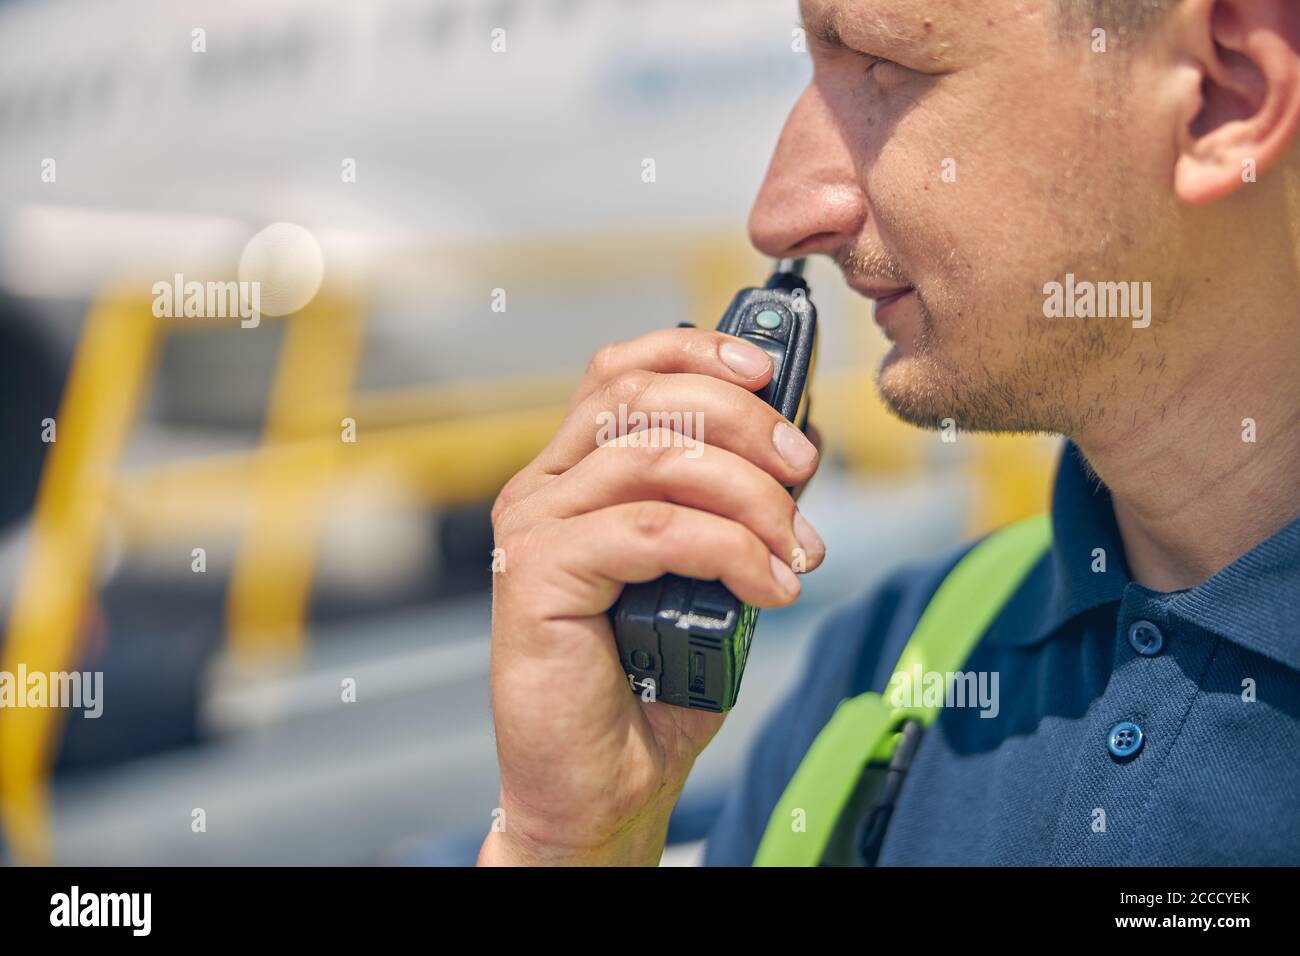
768,319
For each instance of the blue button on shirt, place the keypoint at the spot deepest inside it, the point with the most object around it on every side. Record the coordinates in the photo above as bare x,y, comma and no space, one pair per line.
1216,780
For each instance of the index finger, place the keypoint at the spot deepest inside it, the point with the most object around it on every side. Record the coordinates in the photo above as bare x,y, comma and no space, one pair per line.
701,351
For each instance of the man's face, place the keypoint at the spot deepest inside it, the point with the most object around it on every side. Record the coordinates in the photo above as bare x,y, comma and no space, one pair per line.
964,153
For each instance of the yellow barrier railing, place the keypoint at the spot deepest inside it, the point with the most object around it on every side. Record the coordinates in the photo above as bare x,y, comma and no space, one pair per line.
271,584
57,582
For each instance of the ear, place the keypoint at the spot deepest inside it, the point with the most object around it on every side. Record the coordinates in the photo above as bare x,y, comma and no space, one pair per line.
1248,55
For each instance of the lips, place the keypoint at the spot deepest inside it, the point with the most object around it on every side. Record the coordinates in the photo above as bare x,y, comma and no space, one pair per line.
885,300
884,312
879,291
885,297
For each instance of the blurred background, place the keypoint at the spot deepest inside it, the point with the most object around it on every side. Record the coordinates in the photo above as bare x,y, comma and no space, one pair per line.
236,524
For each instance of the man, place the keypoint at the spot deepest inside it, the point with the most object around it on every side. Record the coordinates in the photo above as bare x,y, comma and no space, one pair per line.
994,174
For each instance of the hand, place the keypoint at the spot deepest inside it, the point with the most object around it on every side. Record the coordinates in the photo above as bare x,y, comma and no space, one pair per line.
589,771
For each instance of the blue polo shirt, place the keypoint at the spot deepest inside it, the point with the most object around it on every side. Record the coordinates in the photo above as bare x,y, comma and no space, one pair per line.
1133,727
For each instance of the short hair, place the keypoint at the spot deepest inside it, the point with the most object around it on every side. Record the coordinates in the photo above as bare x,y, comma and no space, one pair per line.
1121,15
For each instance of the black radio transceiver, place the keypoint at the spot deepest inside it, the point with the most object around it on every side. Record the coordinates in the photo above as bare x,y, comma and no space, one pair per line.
684,641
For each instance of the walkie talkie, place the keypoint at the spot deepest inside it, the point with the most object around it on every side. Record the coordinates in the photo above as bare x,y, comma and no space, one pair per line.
685,641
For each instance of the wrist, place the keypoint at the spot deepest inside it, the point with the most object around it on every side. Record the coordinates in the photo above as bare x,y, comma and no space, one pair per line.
641,844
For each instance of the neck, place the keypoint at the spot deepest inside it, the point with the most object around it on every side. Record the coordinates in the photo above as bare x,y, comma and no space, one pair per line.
1208,465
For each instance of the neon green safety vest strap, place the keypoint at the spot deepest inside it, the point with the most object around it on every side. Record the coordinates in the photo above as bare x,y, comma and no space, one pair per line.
864,729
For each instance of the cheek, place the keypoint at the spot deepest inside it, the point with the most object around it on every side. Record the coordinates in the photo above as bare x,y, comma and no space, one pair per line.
937,223
983,191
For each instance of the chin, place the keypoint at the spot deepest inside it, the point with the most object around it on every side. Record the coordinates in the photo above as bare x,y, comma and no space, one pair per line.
912,391
924,393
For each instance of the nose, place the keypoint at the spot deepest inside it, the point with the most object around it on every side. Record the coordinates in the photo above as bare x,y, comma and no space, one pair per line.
811,200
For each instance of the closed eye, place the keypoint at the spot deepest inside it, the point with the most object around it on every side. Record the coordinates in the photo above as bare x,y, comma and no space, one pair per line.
875,61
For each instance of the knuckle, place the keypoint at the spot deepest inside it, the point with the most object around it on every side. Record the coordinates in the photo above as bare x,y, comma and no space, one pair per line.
765,519
505,500
626,388
742,541
657,455
653,519
662,341
499,509
598,369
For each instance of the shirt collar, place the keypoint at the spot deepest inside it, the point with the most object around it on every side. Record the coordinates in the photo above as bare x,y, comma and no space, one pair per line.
1252,602
1087,554
1083,569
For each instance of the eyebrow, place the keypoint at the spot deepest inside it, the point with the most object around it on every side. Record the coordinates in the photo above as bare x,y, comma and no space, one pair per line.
824,27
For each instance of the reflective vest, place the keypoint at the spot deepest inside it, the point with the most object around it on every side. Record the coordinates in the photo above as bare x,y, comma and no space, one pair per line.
837,804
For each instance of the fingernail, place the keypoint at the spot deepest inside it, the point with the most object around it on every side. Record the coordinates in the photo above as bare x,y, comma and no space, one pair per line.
797,450
786,579
807,536
744,359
